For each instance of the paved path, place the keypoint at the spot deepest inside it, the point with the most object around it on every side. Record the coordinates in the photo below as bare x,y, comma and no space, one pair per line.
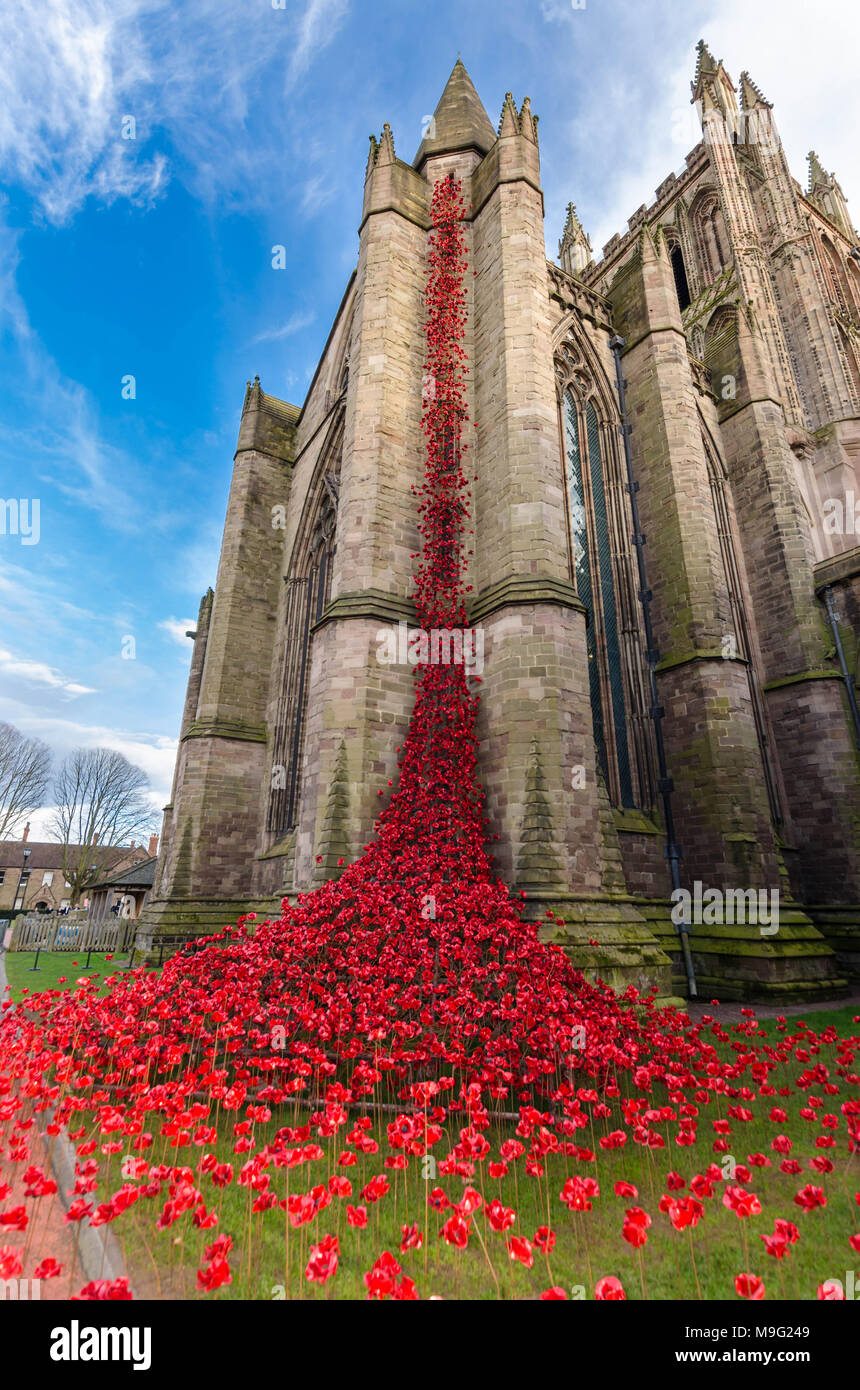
47,1233
730,1012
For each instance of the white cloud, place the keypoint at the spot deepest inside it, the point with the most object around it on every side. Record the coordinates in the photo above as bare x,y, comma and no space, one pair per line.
178,629
66,75
318,26
39,673
294,324
317,192
810,80
39,600
155,754
71,73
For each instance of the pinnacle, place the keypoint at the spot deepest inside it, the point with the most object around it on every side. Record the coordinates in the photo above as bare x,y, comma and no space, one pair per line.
817,172
751,95
572,224
708,68
705,61
574,249
459,121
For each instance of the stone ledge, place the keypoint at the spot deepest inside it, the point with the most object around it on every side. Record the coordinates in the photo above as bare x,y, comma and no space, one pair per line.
235,729
669,663
368,603
837,569
801,678
524,589
631,821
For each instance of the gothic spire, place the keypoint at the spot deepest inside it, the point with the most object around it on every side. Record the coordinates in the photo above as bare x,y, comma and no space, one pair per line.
459,121
817,173
574,249
711,84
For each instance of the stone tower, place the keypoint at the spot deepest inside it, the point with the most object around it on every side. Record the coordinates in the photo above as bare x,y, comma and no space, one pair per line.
729,312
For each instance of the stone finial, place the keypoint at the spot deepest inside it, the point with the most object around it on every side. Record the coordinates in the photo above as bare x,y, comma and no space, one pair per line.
528,122
826,192
253,391
574,249
817,173
385,153
509,121
706,66
371,157
712,80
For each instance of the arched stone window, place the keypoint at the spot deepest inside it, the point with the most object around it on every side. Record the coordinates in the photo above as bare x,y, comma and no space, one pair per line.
837,276
710,235
720,353
679,270
308,592
599,532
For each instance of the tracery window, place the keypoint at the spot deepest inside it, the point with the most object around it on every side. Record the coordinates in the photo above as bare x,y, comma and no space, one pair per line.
599,532
710,238
837,276
308,592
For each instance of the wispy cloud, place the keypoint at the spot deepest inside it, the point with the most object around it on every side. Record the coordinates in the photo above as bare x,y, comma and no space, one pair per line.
62,440
39,673
318,26
72,75
153,753
178,629
633,125
294,324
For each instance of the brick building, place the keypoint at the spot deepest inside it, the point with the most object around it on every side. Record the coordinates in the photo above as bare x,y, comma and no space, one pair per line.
719,337
32,877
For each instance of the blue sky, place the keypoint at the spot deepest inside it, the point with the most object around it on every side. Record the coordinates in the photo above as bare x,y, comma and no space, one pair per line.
151,258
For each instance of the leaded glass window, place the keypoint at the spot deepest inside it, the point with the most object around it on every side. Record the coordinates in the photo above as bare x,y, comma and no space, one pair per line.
595,584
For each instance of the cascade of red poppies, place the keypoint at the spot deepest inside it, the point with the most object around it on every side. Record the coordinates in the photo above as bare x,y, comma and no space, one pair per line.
410,979
416,955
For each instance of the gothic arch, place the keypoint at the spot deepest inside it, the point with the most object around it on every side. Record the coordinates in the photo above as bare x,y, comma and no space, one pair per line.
308,585
337,349
697,342
836,274
709,233
679,263
599,530
720,345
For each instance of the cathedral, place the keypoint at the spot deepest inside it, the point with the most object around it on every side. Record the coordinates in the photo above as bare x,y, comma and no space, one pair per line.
664,576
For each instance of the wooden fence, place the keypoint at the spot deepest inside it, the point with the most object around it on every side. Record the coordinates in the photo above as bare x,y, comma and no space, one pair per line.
73,932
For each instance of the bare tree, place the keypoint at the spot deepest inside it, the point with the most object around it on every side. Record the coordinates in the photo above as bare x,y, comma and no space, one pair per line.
100,804
25,770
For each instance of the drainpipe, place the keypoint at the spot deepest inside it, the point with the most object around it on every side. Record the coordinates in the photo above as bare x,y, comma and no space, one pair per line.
665,785
826,594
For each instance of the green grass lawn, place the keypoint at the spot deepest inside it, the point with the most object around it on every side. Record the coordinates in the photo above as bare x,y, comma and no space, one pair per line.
840,1019
269,1257
53,965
